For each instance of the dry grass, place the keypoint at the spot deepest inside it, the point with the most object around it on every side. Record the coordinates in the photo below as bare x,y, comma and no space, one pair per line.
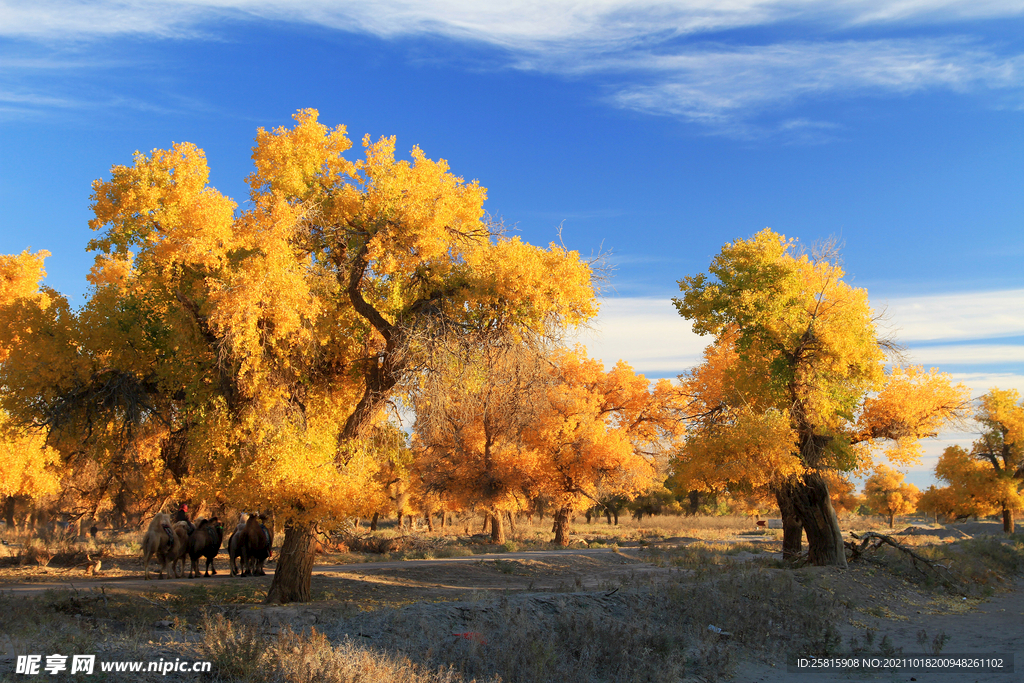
976,567
648,628
242,653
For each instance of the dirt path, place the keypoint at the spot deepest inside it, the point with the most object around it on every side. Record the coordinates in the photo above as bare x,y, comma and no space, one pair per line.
991,627
432,572
877,602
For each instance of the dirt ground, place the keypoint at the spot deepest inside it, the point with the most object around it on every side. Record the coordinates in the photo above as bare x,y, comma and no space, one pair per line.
878,611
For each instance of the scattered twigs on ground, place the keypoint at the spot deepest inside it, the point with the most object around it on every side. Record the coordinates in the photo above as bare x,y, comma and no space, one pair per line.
872,540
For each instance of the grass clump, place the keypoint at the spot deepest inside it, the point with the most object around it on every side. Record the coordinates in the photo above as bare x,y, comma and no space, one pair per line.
972,567
241,653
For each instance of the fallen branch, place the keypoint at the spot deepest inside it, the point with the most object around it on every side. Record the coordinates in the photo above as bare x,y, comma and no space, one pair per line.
876,540
156,604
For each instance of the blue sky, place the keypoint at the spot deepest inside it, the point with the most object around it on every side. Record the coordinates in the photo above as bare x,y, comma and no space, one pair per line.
656,130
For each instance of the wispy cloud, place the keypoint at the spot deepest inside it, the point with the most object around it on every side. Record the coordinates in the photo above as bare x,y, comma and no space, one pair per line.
662,57
955,317
968,354
645,332
516,24
716,83
648,333
982,382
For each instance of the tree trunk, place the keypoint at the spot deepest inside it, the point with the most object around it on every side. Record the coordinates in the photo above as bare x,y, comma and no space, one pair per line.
615,514
513,522
792,527
814,508
487,518
590,517
1007,520
373,522
892,521
562,526
608,515
9,503
497,528
294,566
430,521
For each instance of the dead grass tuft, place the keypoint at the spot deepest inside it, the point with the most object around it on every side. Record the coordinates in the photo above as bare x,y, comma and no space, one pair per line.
972,567
240,652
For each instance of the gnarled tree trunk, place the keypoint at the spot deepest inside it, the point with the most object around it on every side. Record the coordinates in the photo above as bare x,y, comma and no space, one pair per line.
294,566
562,526
497,528
810,500
8,512
1007,520
792,527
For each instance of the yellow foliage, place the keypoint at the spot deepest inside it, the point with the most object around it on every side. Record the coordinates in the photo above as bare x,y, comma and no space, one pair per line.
600,430
248,353
20,278
990,477
886,494
28,467
789,384
912,405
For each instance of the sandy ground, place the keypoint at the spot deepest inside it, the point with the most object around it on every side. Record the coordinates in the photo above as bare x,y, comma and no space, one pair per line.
872,600
975,628
432,579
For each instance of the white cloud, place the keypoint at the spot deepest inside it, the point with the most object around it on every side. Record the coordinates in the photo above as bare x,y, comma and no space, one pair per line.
650,335
654,54
955,317
517,24
714,82
967,354
647,333
981,382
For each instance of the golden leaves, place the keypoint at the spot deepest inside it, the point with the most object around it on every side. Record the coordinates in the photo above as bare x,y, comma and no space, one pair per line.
162,207
912,405
989,477
20,279
886,493
794,339
302,161
256,336
755,449
27,466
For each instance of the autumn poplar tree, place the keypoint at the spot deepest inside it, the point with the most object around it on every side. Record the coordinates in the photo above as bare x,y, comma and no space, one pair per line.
794,385
887,494
599,433
988,479
472,407
29,469
252,352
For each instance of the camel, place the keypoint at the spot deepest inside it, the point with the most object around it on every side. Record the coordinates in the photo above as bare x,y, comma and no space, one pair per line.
162,540
205,542
182,531
250,543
